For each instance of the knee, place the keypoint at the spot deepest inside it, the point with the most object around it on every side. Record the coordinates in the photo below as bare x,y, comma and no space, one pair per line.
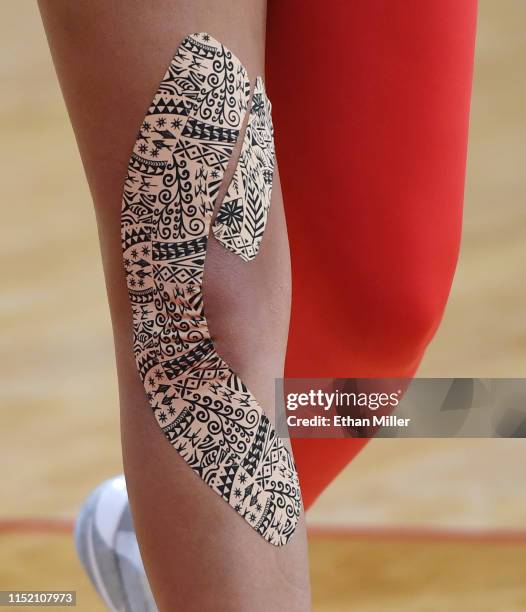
394,323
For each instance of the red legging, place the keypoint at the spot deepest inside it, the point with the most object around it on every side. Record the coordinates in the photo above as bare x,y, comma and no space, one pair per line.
371,107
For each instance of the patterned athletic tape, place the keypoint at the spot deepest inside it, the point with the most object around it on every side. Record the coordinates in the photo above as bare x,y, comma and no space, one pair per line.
174,174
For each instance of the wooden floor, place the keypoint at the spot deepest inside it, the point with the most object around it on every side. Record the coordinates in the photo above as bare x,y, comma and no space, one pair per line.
348,575
58,392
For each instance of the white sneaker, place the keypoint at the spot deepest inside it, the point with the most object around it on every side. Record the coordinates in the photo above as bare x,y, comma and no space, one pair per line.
108,549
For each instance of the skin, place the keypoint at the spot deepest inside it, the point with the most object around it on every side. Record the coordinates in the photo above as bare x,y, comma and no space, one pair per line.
110,57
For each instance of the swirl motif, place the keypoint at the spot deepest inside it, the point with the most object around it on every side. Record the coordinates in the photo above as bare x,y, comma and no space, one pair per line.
242,217
177,166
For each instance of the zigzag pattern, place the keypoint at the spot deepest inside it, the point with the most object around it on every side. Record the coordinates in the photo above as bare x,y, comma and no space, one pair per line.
202,406
242,216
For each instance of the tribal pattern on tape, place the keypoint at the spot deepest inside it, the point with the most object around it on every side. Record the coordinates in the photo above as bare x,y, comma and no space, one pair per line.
174,174
242,217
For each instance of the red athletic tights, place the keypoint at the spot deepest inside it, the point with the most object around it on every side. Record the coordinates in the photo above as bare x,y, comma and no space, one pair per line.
371,107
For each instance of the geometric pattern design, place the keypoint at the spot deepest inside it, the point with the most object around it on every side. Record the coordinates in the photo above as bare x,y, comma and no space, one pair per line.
203,408
242,216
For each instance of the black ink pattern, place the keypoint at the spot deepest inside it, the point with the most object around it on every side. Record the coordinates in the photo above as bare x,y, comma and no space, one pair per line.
242,217
174,174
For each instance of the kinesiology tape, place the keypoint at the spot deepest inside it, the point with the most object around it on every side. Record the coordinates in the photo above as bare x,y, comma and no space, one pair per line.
176,169
242,217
